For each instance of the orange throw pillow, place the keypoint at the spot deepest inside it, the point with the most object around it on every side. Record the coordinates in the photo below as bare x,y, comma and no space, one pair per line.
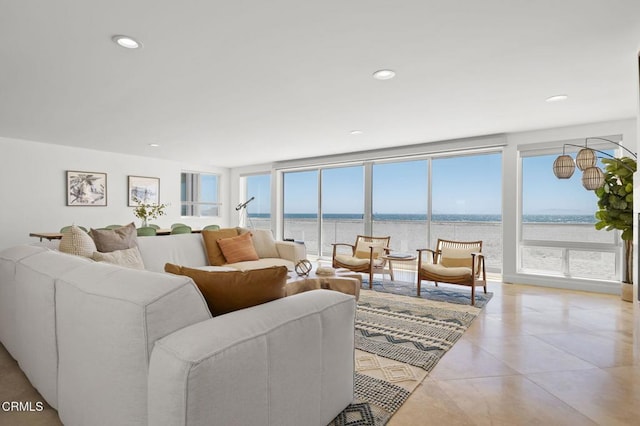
228,291
238,249
214,254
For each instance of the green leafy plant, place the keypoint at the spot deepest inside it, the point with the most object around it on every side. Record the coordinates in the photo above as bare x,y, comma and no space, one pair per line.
146,211
615,205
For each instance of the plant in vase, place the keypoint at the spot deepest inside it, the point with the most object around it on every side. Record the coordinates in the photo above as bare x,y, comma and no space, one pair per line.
615,210
146,211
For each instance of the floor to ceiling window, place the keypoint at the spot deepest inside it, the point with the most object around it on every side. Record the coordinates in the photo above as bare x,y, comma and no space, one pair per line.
342,206
467,202
400,197
301,206
558,236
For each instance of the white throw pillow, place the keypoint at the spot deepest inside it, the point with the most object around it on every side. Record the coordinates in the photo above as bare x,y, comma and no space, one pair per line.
76,241
129,258
264,243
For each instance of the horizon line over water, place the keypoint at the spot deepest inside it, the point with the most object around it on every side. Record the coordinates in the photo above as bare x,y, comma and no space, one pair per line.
527,218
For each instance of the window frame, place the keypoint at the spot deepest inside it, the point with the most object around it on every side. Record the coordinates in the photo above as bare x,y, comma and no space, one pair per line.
190,205
566,247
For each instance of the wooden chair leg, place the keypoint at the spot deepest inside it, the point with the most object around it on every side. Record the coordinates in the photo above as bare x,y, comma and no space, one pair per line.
419,281
485,289
371,279
473,295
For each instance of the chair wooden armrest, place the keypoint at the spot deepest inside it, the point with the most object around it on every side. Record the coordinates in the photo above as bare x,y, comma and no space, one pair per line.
433,255
343,244
335,246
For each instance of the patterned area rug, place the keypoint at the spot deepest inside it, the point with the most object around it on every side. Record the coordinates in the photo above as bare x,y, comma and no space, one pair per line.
399,340
460,295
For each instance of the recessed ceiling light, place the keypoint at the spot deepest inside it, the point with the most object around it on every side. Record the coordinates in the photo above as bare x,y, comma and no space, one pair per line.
154,145
557,98
356,132
126,42
384,74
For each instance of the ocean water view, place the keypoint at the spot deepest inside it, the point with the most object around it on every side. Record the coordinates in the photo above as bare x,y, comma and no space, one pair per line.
527,218
411,231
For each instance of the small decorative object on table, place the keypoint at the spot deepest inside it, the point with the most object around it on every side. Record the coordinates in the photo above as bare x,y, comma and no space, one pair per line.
146,211
303,268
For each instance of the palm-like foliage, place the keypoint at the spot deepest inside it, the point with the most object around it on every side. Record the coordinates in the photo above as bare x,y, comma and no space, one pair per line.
615,205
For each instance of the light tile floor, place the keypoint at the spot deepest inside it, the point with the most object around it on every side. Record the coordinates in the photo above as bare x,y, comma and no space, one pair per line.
537,356
533,356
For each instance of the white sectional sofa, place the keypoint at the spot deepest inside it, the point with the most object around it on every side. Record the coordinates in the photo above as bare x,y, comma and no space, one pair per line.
189,250
107,345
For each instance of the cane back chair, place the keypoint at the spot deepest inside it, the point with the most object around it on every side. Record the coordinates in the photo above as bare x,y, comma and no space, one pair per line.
454,262
367,255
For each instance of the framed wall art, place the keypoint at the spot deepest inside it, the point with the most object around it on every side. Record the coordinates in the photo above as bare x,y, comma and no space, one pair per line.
86,188
142,189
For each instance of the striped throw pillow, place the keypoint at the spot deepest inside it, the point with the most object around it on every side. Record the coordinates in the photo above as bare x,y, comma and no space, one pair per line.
238,249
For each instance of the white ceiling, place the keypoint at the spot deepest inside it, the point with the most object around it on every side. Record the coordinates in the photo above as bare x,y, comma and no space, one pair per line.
245,82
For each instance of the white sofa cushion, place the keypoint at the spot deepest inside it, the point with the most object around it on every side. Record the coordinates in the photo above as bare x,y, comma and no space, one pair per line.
108,319
8,260
286,362
35,300
180,249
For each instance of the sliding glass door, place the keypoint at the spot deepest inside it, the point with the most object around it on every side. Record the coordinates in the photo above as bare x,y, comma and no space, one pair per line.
301,208
342,206
467,202
399,203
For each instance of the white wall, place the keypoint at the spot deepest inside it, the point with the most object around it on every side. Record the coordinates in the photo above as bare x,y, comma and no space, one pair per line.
33,189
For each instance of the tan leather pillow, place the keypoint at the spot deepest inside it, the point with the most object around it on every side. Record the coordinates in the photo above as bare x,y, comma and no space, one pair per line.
108,240
228,291
238,249
214,254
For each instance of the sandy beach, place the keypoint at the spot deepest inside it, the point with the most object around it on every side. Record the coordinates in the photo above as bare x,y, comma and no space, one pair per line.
407,236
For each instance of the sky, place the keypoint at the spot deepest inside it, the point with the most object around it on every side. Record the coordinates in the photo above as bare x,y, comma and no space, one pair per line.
461,185
543,193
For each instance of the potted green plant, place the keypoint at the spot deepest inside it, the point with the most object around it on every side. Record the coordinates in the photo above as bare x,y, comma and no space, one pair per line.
615,211
146,211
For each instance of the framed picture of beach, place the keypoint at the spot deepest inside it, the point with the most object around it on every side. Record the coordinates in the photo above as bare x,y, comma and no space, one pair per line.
86,188
144,190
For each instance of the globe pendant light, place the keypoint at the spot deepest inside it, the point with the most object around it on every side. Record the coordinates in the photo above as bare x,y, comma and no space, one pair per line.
564,167
586,158
592,178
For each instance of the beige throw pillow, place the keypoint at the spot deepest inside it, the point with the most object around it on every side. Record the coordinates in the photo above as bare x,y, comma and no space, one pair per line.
228,291
108,240
455,257
129,258
263,242
76,241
